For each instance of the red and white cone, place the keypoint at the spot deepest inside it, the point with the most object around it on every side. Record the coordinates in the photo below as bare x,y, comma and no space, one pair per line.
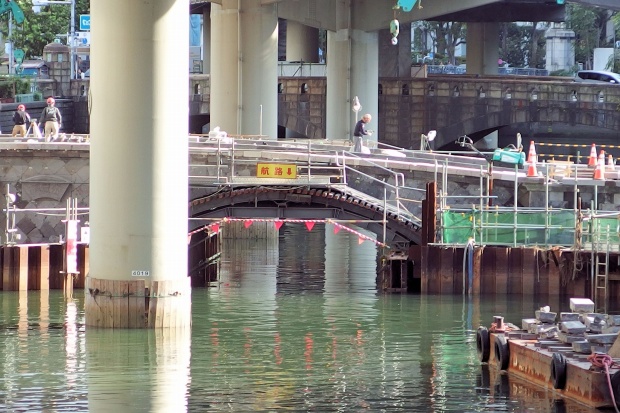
611,165
593,159
599,172
531,160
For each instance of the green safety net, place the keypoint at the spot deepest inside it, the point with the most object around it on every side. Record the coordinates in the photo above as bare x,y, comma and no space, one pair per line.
509,228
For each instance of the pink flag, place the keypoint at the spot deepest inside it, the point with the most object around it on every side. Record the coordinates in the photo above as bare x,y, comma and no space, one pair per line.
215,227
309,225
336,229
247,223
278,224
360,240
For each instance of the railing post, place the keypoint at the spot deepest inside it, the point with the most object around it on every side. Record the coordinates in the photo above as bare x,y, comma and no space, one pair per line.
309,161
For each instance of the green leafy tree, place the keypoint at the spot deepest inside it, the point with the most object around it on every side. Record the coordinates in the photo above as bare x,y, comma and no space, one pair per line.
39,29
514,41
589,24
614,61
446,36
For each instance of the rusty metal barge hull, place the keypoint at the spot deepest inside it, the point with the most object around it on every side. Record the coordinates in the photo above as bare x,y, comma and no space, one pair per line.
529,361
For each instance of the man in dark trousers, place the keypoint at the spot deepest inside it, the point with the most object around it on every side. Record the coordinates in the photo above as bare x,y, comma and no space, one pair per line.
51,120
360,131
21,118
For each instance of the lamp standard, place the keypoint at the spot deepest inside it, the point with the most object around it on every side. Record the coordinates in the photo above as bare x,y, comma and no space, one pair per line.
37,4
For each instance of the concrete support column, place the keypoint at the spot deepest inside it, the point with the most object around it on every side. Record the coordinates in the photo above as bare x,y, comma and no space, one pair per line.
139,166
244,62
206,41
482,48
352,70
302,43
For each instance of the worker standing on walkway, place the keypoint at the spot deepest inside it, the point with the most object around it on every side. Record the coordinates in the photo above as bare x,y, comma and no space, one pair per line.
360,131
21,118
51,120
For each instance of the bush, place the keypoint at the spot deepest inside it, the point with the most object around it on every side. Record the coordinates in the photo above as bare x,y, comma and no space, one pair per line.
13,85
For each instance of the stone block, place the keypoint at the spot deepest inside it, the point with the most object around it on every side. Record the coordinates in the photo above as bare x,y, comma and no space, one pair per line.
611,330
582,346
569,317
569,338
538,328
547,343
573,327
526,323
546,331
600,348
601,338
613,319
545,316
596,328
581,305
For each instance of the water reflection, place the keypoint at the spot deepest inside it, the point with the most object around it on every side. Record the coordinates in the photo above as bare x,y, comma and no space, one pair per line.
293,325
137,371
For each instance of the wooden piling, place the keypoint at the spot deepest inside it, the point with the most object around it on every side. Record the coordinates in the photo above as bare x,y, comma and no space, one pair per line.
129,304
15,268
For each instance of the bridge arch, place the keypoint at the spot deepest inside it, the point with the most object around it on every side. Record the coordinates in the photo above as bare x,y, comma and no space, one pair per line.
303,203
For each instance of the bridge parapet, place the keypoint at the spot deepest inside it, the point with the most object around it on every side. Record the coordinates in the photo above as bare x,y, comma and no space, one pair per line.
465,105
457,105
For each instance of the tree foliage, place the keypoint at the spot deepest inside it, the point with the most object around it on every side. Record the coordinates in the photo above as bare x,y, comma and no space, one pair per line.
39,29
522,45
589,25
445,37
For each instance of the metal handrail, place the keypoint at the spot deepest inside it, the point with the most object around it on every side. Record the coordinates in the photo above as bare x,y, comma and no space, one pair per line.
398,177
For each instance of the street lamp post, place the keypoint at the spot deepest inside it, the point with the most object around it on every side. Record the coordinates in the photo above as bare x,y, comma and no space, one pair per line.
356,108
36,4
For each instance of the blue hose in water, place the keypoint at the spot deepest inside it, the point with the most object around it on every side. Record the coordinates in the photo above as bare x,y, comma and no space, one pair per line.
468,258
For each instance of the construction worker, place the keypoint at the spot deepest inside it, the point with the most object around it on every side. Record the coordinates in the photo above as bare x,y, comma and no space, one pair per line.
51,120
21,118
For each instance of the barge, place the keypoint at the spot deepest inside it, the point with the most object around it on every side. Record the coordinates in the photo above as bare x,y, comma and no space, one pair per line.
570,359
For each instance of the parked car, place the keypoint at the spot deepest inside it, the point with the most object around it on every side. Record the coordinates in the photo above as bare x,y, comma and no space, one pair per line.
598,76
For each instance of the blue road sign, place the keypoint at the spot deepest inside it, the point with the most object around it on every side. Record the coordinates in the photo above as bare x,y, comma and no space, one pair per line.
84,21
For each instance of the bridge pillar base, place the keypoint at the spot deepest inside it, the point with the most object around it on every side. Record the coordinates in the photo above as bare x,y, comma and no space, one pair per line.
134,304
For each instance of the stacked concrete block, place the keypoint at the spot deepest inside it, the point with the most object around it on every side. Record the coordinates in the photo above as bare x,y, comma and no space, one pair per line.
581,305
582,329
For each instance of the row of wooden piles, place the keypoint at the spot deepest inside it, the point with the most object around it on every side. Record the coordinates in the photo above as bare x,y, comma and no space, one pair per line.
39,267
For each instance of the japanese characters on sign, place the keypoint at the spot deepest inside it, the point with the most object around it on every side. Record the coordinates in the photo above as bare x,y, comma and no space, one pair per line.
276,170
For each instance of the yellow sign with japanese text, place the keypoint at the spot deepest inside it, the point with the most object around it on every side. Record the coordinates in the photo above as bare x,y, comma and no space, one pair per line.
276,170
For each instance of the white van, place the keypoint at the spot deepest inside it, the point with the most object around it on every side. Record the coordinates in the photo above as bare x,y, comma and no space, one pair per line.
597,76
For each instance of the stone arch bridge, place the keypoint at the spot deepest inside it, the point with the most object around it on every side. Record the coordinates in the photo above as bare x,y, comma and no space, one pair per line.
544,109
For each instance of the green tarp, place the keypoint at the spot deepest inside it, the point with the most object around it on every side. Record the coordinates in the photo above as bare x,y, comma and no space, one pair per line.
524,228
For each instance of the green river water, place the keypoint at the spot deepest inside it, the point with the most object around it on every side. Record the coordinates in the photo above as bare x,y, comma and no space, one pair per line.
292,326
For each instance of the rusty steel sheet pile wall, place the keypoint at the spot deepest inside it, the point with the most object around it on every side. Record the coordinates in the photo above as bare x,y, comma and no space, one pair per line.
502,271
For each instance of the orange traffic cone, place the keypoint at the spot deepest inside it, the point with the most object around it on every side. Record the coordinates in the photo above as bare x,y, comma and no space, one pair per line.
531,159
592,161
599,172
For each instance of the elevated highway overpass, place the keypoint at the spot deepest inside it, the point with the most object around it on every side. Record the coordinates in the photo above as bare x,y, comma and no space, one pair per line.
324,13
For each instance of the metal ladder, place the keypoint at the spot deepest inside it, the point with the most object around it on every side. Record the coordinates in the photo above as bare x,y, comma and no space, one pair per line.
600,280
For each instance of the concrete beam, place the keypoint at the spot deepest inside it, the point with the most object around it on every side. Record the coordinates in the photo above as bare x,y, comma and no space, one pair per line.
373,15
508,12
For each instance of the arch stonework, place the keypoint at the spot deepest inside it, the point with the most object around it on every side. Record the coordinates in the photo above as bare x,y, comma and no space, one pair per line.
302,203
